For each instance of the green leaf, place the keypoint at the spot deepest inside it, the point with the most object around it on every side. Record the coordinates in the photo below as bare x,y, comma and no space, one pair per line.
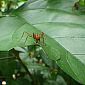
66,31
11,32
8,26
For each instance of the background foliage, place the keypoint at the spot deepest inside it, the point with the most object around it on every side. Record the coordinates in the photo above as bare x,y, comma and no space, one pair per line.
63,26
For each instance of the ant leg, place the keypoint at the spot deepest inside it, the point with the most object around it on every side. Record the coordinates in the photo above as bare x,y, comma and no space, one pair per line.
36,41
26,39
24,34
42,36
43,40
28,34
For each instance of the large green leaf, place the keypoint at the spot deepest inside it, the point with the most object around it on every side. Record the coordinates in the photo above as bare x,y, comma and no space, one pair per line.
58,21
61,26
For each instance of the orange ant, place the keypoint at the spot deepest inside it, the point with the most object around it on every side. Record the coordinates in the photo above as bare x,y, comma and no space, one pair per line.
37,37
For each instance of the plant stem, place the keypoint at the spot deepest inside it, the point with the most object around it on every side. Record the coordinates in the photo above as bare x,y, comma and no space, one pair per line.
16,53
